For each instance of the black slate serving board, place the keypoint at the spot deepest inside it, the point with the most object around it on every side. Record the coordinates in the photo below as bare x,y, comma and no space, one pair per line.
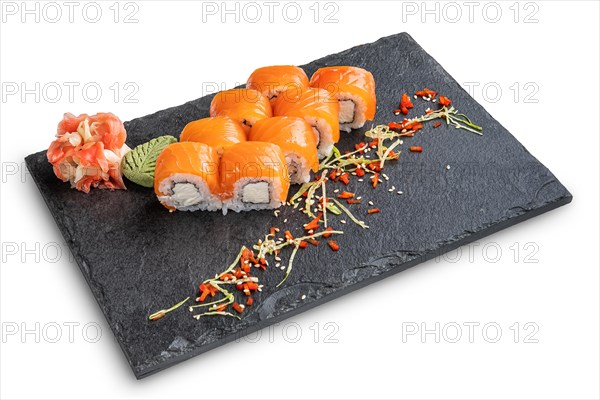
143,258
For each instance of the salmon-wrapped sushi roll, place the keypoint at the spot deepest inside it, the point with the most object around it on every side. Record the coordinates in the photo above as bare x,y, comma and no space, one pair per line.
276,79
354,88
319,108
218,132
296,139
253,177
243,105
186,177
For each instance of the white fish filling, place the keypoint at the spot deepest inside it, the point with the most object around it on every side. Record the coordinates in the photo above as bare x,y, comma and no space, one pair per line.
347,108
297,168
188,192
256,193
185,195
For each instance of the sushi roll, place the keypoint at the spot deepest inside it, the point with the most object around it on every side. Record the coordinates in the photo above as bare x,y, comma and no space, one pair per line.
245,106
319,108
253,177
218,132
296,139
354,88
186,177
275,79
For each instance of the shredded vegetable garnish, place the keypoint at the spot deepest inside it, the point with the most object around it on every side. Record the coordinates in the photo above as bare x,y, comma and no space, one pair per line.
352,217
452,117
160,314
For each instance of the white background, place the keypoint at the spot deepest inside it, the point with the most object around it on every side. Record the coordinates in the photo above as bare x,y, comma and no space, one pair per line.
168,54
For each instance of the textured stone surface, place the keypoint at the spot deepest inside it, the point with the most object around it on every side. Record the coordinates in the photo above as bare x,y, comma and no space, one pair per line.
143,258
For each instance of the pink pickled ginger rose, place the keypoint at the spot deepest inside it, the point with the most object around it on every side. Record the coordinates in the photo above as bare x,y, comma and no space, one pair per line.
88,150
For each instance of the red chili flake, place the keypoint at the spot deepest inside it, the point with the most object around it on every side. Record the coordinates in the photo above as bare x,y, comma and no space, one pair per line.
397,112
445,101
246,268
239,286
238,307
373,211
227,277
222,308
345,195
345,178
353,201
360,172
413,126
305,194
405,104
333,245
273,230
313,241
333,175
428,111
303,244
375,179
252,286
360,147
437,124
416,149
374,166
395,125
204,292
375,141
238,273
288,236
326,235
249,301
314,224
393,155
426,93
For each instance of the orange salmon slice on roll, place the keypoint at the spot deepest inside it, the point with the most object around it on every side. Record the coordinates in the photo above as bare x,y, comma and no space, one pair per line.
186,177
218,132
355,90
246,106
273,80
296,139
317,107
253,177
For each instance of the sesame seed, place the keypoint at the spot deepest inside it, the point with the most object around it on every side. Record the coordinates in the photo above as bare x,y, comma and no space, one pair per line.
361,180
336,190
370,203
390,190
282,267
433,100
385,177
343,221
447,167
353,173
402,142
400,192
303,296
393,187
285,220
359,198
379,180
278,265
415,96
